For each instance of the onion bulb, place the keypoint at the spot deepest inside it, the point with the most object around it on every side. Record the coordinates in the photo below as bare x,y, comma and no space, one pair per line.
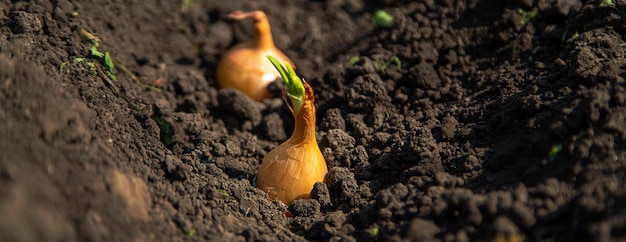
245,66
289,171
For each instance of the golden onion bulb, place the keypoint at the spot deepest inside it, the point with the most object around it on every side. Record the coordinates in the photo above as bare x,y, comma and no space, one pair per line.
289,171
245,66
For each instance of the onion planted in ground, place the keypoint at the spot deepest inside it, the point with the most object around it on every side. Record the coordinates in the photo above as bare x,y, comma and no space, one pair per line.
245,66
289,171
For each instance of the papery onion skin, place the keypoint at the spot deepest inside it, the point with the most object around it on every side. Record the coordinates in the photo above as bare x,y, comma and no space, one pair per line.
289,171
245,66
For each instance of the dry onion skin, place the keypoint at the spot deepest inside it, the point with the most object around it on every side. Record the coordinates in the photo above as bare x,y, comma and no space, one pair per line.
245,66
289,171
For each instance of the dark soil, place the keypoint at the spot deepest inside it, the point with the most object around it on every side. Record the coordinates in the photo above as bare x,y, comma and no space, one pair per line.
495,125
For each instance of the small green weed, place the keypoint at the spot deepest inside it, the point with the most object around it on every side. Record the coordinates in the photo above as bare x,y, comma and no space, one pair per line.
167,132
607,4
382,19
223,192
355,59
525,16
374,230
90,65
394,59
554,151
104,57
190,232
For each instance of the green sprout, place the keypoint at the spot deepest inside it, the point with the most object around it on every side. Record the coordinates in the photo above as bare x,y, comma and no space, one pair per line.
295,86
564,36
382,19
223,192
534,52
374,230
607,4
394,59
525,17
167,132
354,59
108,63
94,50
107,75
190,232
91,66
104,57
554,151
564,39
455,166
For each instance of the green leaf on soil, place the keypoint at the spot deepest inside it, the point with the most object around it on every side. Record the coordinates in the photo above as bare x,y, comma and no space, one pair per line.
108,63
355,59
607,4
105,57
394,59
534,52
95,52
526,16
564,36
554,151
190,232
167,132
223,192
92,67
382,19
374,230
